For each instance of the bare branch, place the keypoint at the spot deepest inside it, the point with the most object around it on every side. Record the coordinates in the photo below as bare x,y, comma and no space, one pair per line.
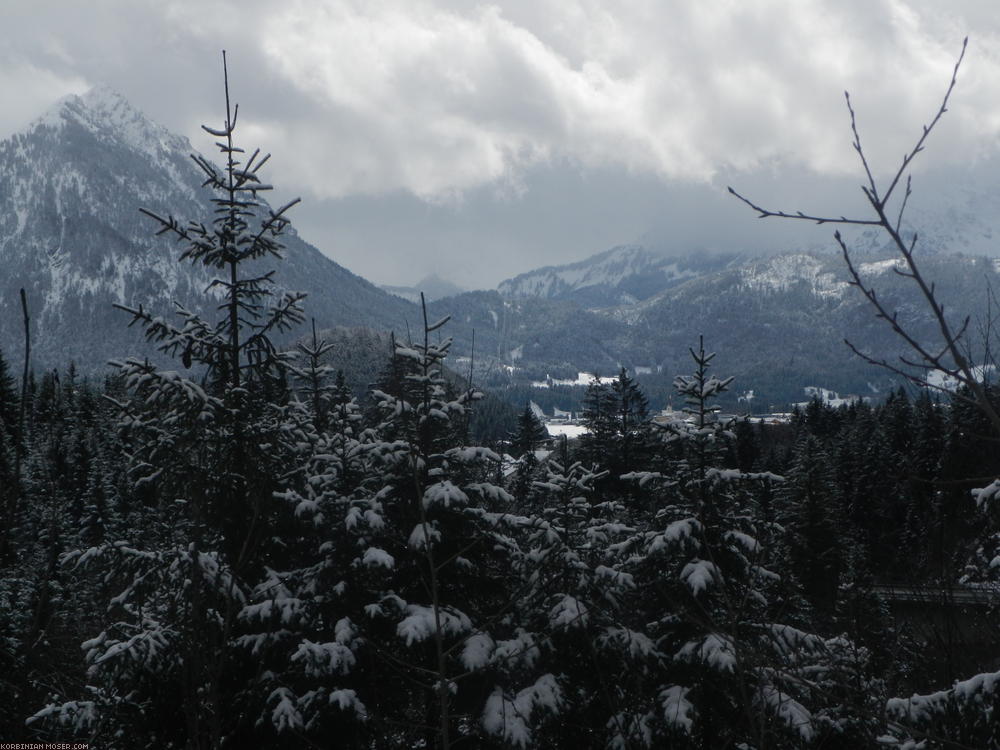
952,349
872,190
765,213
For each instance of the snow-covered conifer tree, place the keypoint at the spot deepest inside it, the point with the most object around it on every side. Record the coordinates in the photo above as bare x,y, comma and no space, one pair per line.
524,444
402,620
618,438
730,668
530,433
205,450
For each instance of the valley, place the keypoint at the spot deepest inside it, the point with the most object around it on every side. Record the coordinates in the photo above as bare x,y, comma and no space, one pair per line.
72,235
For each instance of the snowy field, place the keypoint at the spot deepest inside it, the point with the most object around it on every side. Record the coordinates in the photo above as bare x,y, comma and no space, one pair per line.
569,430
583,379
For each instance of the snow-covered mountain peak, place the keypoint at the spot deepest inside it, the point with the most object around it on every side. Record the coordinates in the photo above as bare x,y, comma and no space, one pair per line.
71,233
108,115
109,103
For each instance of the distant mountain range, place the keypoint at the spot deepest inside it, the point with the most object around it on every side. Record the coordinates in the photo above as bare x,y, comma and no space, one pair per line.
620,276
433,288
71,234
777,322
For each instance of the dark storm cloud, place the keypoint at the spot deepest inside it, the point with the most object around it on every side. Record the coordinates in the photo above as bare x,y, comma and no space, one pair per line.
480,140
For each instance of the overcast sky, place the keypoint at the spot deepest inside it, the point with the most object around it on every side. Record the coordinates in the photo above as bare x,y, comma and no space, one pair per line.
482,140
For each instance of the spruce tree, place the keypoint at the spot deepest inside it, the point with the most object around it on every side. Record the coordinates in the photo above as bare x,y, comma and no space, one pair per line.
10,445
524,443
9,400
717,602
530,434
810,514
207,455
617,438
599,414
396,627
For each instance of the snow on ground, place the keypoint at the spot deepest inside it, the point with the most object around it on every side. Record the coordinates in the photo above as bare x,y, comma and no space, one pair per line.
878,267
582,379
943,381
569,430
783,272
828,397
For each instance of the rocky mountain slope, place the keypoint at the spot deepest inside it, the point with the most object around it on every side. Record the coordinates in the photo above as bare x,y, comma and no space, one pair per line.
71,234
778,322
622,275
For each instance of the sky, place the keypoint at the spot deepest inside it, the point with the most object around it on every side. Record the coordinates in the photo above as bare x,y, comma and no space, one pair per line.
477,141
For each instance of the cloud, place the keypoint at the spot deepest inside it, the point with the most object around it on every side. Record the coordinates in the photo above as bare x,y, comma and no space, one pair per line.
28,90
437,99
524,128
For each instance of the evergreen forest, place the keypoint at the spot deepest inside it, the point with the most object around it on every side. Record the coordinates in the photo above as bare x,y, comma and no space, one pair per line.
235,550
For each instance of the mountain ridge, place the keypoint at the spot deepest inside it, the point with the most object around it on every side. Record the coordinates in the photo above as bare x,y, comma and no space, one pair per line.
72,236
71,186
621,275
432,286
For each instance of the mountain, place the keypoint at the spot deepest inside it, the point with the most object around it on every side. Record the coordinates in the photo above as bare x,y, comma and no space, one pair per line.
777,322
536,336
622,275
432,286
71,186
71,234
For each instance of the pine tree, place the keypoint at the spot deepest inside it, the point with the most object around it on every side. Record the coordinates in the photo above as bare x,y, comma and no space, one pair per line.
530,434
313,378
573,611
209,457
810,515
617,437
10,442
9,400
398,621
923,467
599,415
718,608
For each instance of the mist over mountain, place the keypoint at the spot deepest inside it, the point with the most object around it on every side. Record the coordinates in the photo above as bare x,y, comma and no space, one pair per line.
623,275
71,234
432,286
778,322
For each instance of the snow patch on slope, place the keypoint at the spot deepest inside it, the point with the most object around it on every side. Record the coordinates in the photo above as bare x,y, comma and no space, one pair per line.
785,271
878,267
106,114
610,269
